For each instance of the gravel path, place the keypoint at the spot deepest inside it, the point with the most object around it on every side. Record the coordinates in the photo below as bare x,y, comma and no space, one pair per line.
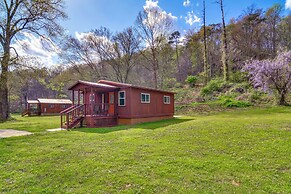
12,133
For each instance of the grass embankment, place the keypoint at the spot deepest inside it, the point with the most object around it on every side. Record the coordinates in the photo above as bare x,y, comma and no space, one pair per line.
246,151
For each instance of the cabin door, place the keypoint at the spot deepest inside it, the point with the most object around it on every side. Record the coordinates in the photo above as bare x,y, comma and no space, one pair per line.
111,103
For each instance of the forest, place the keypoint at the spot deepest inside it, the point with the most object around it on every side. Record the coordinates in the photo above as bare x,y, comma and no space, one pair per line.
241,62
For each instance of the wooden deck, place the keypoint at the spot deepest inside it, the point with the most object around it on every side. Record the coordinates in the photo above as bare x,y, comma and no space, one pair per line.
84,115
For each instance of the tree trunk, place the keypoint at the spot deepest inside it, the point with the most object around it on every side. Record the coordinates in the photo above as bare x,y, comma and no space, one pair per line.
155,78
282,100
4,105
224,56
155,68
206,68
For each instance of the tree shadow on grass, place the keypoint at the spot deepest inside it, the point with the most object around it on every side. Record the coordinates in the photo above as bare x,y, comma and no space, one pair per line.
148,125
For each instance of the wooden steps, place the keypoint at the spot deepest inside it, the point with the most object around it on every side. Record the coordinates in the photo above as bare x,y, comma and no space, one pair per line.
24,113
75,122
72,116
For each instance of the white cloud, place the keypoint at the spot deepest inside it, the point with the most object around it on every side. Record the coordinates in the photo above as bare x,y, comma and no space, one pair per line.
153,9
182,40
93,41
151,5
288,4
91,37
42,49
83,35
191,18
186,3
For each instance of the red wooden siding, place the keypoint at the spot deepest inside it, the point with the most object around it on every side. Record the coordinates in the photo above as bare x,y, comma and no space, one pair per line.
135,109
125,110
53,108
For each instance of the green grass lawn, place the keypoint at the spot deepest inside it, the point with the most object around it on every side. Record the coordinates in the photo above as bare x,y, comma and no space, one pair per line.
242,151
33,123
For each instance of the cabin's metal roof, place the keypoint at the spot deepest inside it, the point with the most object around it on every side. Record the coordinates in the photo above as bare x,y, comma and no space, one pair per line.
54,101
92,84
32,101
113,85
118,84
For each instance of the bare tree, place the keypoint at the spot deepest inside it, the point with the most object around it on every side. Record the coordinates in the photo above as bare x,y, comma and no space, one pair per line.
284,32
100,48
123,56
205,57
77,53
174,39
273,19
16,16
153,27
224,56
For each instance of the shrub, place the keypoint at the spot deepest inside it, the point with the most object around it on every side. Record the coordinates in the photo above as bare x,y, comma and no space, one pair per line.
191,79
238,77
240,88
213,86
228,101
169,83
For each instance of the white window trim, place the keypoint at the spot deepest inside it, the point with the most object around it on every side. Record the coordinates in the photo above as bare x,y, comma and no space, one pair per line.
169,100
122,98
145,102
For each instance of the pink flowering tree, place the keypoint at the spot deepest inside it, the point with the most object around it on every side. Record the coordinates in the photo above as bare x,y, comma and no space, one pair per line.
272,75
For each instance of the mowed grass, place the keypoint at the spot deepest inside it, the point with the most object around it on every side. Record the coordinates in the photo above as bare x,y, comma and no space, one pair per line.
243,151
33,123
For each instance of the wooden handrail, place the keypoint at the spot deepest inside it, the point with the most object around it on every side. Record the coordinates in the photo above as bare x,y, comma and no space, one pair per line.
98,108
67,109
76,107
72,115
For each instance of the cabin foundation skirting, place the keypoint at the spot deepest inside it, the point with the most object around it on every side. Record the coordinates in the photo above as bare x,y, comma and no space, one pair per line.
132,121
100,122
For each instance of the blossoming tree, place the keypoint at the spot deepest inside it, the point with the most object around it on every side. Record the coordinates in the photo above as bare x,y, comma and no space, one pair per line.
272,75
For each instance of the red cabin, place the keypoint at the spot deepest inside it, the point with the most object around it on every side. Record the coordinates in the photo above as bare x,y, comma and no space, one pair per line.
108,103
44,106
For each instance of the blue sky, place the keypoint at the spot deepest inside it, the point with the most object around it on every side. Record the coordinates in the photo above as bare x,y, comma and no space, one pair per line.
86,15
119,14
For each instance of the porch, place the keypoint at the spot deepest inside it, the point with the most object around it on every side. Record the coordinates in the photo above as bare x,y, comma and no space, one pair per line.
32,108
94,105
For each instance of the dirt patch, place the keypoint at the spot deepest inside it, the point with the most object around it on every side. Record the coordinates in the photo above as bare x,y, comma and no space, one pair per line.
57,129
13,133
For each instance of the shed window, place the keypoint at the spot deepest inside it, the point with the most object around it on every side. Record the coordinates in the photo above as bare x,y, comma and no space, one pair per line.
166,99
51,106
121,98
145,98
64,106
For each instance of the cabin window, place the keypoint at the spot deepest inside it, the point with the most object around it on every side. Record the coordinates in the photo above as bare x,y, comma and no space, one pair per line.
51,106
64,106
166,99
145,98
121,98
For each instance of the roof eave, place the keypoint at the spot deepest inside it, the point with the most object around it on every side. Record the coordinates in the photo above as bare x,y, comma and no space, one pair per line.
92,85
